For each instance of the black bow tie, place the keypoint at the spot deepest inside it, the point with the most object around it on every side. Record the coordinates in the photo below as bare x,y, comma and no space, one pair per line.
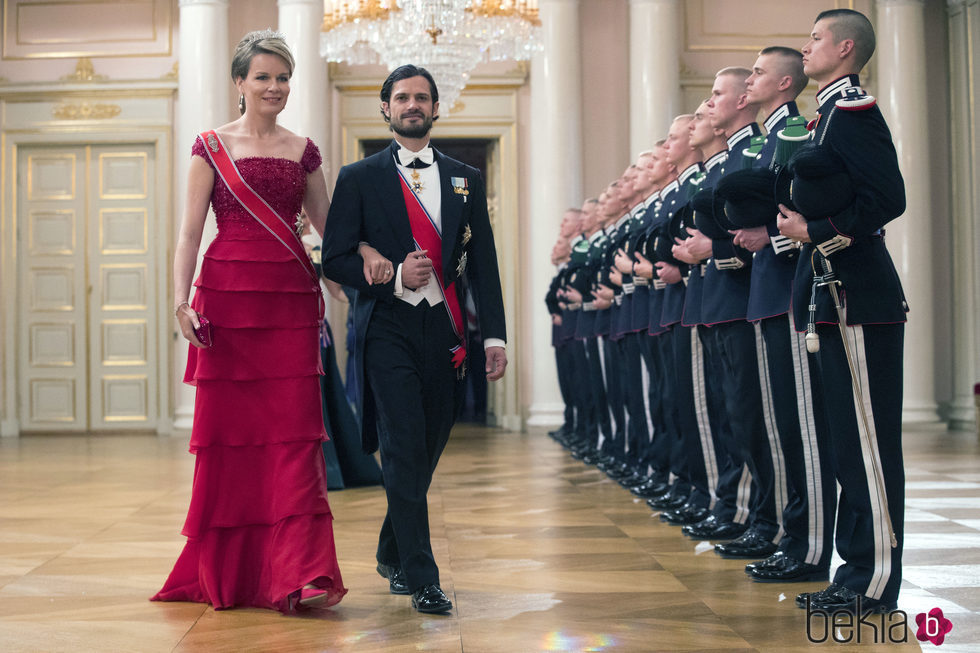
418,163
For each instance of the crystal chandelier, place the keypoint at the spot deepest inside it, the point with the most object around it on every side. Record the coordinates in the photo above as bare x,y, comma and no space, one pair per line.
447,37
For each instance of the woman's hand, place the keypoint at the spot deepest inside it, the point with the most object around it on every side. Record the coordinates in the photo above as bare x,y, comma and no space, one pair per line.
377,269
187,319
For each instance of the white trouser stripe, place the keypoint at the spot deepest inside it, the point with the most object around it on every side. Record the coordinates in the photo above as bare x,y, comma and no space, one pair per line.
601,347
645,385
768,412
701,411
811,455
743,496
872,460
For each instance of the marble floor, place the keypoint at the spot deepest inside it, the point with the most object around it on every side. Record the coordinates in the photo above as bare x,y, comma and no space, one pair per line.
537,551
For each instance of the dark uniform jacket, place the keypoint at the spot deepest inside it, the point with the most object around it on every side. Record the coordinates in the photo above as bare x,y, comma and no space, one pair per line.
853,240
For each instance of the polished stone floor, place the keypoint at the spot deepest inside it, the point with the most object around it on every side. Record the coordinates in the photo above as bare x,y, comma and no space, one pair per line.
538,552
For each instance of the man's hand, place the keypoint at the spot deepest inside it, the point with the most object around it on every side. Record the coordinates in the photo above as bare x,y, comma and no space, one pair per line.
792,224
643,268
604,291
573,295
496,363
416,270
377,269
698,245
615,276
556,320
681,253
752,238
623,262
599,301
668,273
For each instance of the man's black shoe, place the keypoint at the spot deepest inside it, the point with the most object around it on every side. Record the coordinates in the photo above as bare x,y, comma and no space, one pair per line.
618,471
632,480
558,432
713,528
652,489
846,599
606,462
431,599
749,545
588,458
785,569
396,578
686,514
674,498
801,597
768,562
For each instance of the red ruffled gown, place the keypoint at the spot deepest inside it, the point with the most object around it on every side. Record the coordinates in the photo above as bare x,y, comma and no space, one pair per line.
259,527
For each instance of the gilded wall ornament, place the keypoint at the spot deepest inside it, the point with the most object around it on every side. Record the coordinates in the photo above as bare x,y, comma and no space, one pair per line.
86,111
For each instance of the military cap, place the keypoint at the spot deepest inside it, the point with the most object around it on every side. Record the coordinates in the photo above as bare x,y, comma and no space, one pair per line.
682,218
749,197
820,186
706,205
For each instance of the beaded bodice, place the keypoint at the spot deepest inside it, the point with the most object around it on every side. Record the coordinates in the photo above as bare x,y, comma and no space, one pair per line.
280,182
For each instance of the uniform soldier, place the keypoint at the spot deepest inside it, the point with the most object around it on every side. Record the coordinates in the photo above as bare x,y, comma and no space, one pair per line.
724,308
847,241
568,357
686,158
723,470
656,457
807,504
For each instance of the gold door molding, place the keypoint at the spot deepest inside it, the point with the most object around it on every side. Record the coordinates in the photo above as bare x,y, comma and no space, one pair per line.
85,317
86,233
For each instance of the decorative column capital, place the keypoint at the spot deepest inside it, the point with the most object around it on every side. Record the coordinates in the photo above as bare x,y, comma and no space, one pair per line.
203,3
900,3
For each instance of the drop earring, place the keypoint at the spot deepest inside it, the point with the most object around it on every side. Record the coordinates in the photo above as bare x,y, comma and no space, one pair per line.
241,104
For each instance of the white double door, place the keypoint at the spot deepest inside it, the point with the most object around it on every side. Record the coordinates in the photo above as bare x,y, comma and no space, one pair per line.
87,273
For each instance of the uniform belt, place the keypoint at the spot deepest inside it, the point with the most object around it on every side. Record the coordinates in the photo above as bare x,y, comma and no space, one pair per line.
619,300
628,288
641,281
659,285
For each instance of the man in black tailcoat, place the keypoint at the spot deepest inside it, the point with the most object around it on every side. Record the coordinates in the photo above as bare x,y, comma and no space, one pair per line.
406,227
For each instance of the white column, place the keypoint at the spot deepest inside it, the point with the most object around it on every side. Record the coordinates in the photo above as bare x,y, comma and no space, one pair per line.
556,184
306,111
902,89
202,92
964,21
655,90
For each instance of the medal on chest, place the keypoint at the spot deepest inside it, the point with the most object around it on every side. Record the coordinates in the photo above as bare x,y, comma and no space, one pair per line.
416,182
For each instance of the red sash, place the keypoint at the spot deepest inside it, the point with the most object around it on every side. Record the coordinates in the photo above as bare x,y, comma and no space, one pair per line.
427,237
257,207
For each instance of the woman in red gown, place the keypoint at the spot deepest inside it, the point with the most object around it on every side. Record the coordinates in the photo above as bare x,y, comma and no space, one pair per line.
259,528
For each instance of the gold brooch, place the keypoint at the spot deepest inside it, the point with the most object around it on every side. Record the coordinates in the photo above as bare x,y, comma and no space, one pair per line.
467,234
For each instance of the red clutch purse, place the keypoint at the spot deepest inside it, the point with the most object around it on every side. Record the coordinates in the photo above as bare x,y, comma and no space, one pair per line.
203,332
